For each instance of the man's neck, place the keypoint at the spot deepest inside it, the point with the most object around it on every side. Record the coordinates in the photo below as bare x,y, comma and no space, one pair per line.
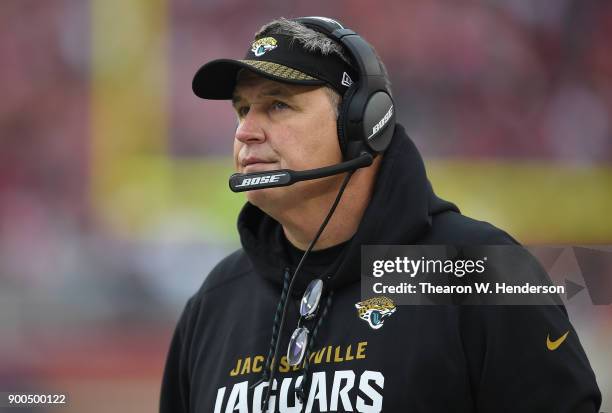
300,224
300,229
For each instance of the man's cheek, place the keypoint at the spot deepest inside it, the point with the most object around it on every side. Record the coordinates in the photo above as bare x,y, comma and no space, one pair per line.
236,151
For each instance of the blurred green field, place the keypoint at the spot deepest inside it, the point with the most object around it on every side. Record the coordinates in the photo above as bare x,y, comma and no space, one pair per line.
535,202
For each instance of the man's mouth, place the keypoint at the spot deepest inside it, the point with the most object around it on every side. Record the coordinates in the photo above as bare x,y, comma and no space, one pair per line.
253,164
259,167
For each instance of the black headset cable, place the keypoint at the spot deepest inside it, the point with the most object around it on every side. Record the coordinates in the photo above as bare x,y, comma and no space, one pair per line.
289,291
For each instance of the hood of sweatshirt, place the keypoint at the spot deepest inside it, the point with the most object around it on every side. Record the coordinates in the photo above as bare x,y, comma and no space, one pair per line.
400,212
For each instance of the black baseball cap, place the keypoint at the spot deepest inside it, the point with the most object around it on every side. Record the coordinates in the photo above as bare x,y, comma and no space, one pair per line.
277,57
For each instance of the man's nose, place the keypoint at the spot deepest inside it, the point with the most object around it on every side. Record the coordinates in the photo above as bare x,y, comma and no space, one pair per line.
250,129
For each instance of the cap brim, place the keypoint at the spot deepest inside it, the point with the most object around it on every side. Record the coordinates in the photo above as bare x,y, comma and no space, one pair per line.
217,79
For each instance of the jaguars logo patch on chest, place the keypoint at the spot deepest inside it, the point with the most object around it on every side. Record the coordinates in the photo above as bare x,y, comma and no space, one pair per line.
375,310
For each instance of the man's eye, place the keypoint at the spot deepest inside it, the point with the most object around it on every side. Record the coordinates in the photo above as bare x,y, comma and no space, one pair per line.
279,105
242,111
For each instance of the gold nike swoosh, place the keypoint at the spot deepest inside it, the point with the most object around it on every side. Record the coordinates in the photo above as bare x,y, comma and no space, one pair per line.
553,345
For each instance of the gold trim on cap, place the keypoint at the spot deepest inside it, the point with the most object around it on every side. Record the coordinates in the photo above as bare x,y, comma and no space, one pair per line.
275,69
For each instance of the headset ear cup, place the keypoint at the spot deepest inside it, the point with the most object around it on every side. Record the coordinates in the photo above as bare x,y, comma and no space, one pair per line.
342,118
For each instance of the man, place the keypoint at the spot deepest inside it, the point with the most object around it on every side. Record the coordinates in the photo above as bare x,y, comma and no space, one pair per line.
288,95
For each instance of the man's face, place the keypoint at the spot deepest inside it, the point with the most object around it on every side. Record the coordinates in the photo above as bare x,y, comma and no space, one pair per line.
284,126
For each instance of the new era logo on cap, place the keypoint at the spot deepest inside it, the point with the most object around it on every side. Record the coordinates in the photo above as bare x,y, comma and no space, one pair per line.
346,80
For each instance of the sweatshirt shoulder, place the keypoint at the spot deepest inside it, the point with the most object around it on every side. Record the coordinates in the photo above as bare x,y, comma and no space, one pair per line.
230,269
451,227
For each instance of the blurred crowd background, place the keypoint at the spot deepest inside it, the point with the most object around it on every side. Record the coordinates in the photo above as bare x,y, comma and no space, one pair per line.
113,176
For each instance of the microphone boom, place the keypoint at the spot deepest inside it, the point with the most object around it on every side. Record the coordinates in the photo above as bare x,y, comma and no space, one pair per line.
285,177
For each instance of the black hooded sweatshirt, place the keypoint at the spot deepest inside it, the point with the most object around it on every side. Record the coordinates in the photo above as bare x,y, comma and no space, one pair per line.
424,359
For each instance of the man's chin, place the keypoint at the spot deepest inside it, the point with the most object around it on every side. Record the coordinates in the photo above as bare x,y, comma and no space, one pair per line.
270,200
275,200
257,196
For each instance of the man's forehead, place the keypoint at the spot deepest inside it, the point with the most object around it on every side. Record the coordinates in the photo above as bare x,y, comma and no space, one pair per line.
265,87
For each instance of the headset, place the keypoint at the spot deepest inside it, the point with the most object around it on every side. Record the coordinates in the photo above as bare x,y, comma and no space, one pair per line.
366,115
366,119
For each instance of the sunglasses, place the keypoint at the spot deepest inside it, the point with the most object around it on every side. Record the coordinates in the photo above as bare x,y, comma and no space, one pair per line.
301,335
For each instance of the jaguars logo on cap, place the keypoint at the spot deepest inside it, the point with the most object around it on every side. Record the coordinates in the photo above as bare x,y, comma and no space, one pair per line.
261,46
375,310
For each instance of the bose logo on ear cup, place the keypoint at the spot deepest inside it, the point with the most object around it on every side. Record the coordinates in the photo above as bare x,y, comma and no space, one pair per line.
382,122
